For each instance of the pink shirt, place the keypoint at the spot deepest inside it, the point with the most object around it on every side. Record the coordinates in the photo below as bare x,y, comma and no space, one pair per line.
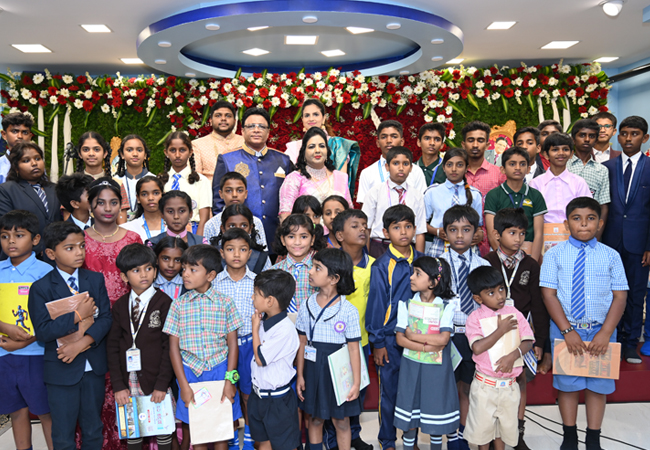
474,333
295,185
558,191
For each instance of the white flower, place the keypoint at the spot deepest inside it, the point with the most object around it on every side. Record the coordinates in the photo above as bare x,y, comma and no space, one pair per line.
382,103
321,85
234,81
440,118
603,85
64,92
301,76
129,102
408,90
584,115
449,110
173,128
428,118
202,89
88,93
581,101
14,110
495,96
356,105
517,93
194,82
25,93
471,70
518,81
275,101
109,94
285,96
160,81
14,93
591,88
227,87
592,110
480,84
317,76
584,78
480,93
283,77
43,94
288,82
497,83
329,103
452,134
565,69
256,92
203,101
179,109
38,78
251,79
309,82
259,82
532,82
33,101
571,93
555,93
239,102
442,85
334,72
349,88
214,95
105,109
151,103
67,79
360,78
53,100
401,101
418,89
214,84
531,69
411,78
230,98
343,80
169,101
553,81
78,103
454,97
133,92
241,89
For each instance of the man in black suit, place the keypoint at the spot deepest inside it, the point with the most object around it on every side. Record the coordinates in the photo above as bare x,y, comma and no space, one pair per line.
74,373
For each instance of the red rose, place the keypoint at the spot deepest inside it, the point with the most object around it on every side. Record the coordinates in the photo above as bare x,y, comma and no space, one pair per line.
267,104
506,81
109,81
464,93
356,73
537,91
73,88
543,79
580,92
520,69
468,82
562,92
383,78
390,89
508,92
248,102
346,97
356,84
57,77
180,99
477,74
308,89
87,105
81,79
494,70
582,109
41,101
51,90
526,92
27,80
61,100
413,99
525,83
149,81
171,81
604,93
396,98
456,74
593,79
572,79
603,108
487,79
14,103
257,75
594,95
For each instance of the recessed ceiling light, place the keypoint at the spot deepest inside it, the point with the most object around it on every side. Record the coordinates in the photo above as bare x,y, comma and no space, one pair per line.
256,52
359,30
559,45
404,72
310,19
161,61
300,40
606,59
258,28
164,44
456,61
131,60
394,26
612,8
31,48
437,41
212,26
501,25
190,74
96,28
436,58
331,53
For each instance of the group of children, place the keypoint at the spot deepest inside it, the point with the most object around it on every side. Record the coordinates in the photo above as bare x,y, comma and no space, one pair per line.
198,312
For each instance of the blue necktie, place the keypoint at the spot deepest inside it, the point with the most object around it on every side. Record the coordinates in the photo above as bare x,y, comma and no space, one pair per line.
455,200
293,306
41,194
626,177
73,286
466,300
578,306
175,185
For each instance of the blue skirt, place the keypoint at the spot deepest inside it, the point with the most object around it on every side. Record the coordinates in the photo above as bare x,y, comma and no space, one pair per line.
320,400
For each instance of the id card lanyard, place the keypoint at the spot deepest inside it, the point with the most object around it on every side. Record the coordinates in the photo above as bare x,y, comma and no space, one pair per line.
381,170
509,300
312,327
146,227
133,355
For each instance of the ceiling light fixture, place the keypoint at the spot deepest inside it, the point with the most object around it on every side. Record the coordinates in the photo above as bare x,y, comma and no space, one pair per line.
96,28
404,72
501,25
131,60
553,45
258,28
612,8
394,26
455,61
31,48
212,26
190,74
164,44
436,58
310,19
606,59
359,30
332,53
161,61
256,52
300,40
437,41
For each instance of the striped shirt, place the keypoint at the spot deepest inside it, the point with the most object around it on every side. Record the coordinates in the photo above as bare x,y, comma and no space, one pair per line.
241,292
173,287
338,324
595,174
300,271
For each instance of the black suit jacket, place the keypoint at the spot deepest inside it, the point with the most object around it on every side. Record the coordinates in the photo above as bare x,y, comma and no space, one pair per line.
52,287
539,168
21,195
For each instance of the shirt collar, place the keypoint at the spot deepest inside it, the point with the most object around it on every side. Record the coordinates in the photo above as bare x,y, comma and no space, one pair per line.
80,224
219,137
577,244
224,274
523,190
398,255
23,267
211,294
604,152
145,297
634,159
187,170
392,185
271,321
138,176
171,233
162,281
307,261
451,185
66,276
250,151
365,259
430,166
485,165
575,159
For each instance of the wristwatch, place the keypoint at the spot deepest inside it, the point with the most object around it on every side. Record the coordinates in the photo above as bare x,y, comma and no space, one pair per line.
232,376
568,330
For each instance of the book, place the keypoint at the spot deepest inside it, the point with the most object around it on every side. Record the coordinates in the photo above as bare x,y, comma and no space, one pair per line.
554,233
424,318
341,372
506,344
13,305
210,420
67,305
141,417
603,366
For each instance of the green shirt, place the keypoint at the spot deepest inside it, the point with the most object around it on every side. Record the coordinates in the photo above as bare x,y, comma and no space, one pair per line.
528,198
430,170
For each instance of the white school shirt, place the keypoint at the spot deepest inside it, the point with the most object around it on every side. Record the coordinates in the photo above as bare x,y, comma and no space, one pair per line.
377,173
603,156
200,192
382,196
635,160
137,226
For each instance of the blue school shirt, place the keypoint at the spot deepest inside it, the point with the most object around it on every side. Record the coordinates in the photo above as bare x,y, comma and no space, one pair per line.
28,271
339,323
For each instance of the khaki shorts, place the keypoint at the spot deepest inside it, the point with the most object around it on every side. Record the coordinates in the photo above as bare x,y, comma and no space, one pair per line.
492,414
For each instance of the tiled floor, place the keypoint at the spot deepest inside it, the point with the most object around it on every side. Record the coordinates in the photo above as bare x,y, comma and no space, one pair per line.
628,423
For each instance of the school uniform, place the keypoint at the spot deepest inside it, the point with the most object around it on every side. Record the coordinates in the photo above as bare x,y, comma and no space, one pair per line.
527,198
434,409
79,223
128,190
327,330
603,273
300,272
22,195
192,239
558,191
389,283
628,232
431,171
75,390
174,288
140,226
377,173
273,406
465,370
213,229
200,191
536,169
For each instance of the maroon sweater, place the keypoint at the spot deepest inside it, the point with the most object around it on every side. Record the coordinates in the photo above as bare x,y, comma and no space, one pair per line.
157,371
527,294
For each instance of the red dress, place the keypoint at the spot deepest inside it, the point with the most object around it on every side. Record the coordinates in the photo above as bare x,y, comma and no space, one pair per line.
100,257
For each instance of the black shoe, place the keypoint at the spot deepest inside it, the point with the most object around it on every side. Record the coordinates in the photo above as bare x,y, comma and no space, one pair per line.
358,444
631,356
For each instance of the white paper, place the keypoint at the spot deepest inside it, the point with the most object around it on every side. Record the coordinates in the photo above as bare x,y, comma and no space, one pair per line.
506,343
212,421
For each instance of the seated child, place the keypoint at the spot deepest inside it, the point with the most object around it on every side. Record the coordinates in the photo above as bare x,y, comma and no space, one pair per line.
582,311
138,318
273,406
198,356
21,356
75,374
72,191
494,394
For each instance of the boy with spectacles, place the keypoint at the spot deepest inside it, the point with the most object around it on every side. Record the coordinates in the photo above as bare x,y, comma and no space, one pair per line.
603,150
16,127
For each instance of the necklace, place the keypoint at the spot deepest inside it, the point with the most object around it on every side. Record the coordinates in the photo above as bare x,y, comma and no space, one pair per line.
317,174
108,235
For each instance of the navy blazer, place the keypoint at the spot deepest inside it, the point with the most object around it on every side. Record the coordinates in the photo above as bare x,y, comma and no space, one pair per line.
21,195
53,287
629,222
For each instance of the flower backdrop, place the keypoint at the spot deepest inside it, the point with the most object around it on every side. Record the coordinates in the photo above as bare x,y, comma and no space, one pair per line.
153,106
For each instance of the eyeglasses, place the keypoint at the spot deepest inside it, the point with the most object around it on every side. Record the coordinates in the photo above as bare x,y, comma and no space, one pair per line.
606,126
252,126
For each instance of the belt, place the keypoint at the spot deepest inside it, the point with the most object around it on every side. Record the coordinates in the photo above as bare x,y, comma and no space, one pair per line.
584,326
261,393
459,329
244,339
494,382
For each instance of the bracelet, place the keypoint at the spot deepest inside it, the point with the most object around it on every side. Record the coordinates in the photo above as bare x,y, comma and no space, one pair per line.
521,355
438,232
78,315
568,330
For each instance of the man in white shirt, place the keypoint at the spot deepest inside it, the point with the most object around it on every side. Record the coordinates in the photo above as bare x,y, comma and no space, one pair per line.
603,150
389,135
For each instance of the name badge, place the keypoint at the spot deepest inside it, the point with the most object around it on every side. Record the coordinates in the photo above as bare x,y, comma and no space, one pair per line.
201,396
510,302
133,362
310,353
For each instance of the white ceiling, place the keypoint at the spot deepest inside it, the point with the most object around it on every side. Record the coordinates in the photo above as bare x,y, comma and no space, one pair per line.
55,24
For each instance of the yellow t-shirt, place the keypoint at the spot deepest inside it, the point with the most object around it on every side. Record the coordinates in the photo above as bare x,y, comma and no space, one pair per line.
359,298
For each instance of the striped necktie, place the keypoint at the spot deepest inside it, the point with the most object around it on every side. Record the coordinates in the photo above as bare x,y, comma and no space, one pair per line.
401,192
73,286
466,300
175,185
41,194
455,200
135,312
578,306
